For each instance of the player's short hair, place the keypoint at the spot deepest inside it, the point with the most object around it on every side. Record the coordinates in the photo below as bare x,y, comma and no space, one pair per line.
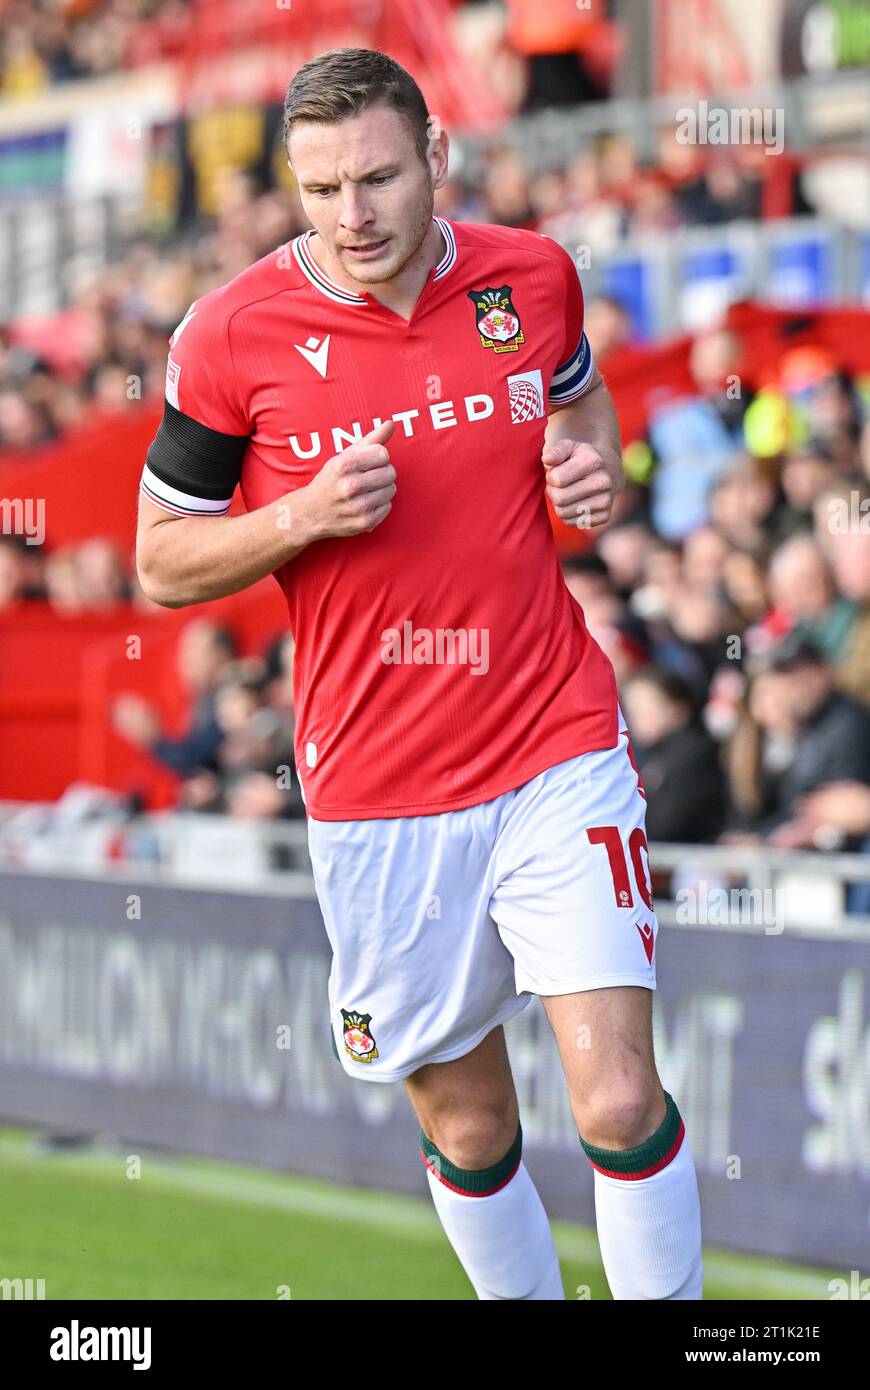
343,82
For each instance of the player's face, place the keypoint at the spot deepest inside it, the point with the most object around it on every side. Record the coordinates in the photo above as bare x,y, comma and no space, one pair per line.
366,191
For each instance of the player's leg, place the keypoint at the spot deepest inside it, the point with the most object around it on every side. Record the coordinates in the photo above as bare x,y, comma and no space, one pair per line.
574,907
471,1143
419,986
646,1193
418,972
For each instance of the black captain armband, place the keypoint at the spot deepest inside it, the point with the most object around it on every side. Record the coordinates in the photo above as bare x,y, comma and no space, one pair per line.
190,469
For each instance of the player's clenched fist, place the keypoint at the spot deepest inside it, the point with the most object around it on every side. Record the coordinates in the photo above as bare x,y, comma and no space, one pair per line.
354,490
579,484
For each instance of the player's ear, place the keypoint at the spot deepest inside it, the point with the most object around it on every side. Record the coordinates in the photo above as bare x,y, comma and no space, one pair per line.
439,149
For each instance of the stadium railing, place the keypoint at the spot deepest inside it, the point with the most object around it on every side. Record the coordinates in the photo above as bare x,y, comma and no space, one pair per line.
738,886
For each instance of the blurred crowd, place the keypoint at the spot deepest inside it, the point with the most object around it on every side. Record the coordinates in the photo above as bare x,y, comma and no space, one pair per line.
236,754
606,193
568,49
732,592
43,42
108,348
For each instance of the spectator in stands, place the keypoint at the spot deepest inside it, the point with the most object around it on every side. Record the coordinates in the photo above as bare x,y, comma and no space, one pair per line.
11,572
260,796
839,809
624,547
62,580
742,503
831,737
23,70
23,425
722,193
552,37
607,323
695,437
653,210
705,551
677,760
744,581
619,634
692,641
506,183
205,650
616,633
806,474
43,43
850,562
256,755
757,754
279,662
659,582
591,217
715,362
805,599
587,578
103,580
825,401
864,451
837,816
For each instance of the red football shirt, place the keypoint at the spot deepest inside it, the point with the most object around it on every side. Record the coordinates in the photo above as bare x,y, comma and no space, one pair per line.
440,659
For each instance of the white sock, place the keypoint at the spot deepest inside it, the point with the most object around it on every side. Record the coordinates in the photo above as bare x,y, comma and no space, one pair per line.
649,1229
503,1240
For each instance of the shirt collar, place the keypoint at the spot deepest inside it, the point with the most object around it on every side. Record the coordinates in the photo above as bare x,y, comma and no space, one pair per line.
322,282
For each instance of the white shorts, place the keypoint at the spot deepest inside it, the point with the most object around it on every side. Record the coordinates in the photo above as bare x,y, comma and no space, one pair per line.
444,926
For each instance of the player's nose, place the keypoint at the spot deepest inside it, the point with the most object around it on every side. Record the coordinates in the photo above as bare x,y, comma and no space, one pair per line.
356,214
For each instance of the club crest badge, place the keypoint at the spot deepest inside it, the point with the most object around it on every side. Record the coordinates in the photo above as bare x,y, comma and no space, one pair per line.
498,322
358,1039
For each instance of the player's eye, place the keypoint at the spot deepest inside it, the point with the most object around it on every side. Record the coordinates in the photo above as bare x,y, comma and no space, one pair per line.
381,178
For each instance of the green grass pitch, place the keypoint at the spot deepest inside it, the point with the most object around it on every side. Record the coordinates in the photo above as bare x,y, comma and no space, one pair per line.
201,1229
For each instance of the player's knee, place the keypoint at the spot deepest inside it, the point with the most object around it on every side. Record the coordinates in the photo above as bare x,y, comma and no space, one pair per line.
476,1139
623,1115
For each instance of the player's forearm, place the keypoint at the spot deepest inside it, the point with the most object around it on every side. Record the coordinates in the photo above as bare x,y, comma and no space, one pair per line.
592,420
195,559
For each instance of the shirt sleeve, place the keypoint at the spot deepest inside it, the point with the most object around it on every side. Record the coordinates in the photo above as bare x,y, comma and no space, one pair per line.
574,372
195,460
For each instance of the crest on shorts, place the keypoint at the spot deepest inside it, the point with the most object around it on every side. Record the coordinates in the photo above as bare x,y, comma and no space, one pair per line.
358,1038
498,322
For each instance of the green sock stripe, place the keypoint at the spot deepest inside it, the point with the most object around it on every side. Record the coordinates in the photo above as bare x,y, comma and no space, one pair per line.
647,1154
475,1181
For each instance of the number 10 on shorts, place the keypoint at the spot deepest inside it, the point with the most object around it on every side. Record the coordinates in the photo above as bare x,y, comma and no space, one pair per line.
610,838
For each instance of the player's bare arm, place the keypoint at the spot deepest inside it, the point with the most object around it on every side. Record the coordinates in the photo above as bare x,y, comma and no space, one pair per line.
583,457
182,560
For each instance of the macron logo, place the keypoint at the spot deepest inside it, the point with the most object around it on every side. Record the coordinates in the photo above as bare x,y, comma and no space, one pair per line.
316,353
